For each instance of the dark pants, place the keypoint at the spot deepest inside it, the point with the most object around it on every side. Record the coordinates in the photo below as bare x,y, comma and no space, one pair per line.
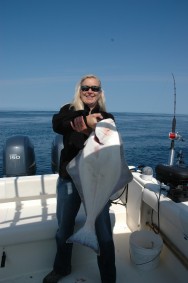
68,204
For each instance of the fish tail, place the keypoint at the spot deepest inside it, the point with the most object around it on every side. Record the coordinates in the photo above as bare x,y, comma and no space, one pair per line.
86,238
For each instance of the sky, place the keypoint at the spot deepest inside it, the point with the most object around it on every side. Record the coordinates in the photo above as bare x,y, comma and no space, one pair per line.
133,46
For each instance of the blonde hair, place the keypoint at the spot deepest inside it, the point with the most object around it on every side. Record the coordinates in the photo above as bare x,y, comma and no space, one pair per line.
77,102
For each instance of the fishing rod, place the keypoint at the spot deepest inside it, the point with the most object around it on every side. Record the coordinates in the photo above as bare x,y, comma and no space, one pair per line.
173,135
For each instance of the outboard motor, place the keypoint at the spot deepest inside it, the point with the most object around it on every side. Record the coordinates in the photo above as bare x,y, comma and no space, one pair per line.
18,157
57,146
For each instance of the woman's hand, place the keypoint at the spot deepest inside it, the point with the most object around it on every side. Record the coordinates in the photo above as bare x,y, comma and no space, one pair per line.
93,119
79,125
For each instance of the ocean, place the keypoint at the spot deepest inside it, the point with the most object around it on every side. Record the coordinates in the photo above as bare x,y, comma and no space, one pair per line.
145,136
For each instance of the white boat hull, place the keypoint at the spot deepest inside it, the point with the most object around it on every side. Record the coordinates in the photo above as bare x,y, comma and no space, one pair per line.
28,225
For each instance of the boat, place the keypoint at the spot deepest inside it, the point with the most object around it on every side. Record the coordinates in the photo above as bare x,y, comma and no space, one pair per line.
149,219
28,225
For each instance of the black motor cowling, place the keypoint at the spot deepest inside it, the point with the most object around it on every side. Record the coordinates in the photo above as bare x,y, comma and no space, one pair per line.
176,178
57,146
18,157
174,175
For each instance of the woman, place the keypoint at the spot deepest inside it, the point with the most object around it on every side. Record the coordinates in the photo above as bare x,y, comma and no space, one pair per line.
75,122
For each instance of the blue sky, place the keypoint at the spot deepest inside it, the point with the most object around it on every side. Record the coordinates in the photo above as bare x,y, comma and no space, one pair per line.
134,46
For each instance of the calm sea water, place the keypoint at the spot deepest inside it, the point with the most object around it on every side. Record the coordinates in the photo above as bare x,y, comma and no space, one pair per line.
145,136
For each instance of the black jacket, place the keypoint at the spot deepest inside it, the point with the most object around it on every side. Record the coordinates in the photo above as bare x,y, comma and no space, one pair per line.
72,140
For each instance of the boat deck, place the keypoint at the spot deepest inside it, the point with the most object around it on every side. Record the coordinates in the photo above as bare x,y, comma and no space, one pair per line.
84,265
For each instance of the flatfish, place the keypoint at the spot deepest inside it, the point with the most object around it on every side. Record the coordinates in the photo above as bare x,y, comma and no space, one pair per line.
98,171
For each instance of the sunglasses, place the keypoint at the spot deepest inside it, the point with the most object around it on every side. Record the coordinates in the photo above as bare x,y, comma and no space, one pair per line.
93,88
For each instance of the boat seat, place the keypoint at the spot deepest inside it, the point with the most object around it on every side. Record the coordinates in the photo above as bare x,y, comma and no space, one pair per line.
28,209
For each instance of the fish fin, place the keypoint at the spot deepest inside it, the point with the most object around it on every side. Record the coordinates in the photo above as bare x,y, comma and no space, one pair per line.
86,238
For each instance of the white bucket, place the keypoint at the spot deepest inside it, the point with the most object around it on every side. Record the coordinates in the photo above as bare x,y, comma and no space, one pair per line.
145,249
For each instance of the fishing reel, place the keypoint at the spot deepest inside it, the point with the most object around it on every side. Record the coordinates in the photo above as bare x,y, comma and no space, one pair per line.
175,136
